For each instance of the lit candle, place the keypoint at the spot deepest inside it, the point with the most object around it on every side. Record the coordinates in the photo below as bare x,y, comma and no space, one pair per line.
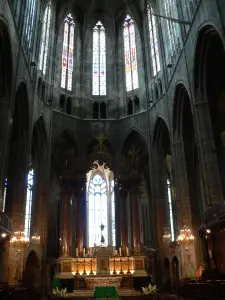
84,252
77,252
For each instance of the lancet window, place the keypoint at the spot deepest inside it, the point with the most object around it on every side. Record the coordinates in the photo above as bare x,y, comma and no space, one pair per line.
154,46
99,61
68,54
130,55
45,39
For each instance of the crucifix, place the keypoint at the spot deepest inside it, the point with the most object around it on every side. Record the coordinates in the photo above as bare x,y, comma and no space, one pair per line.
100,139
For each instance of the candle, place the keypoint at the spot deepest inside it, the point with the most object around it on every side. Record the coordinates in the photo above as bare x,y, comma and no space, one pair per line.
84,252
127,251
120,251
77,252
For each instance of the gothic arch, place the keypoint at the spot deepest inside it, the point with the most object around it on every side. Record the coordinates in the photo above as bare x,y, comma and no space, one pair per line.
18,152
159,128
6,59
210,88
208,34
137,135
181,94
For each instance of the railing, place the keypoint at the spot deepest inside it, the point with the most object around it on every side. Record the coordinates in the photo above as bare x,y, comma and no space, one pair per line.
5,223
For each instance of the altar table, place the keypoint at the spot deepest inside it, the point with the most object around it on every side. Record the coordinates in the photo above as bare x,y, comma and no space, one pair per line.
105,292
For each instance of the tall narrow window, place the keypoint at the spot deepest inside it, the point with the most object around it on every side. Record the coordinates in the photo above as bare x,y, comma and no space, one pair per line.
170,209
30,182
113,212
99,61
153,41
130,55
68,54
45,39
4,194
171,29
29,23
98,212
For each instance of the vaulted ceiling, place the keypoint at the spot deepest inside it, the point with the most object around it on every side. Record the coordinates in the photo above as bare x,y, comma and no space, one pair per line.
110,7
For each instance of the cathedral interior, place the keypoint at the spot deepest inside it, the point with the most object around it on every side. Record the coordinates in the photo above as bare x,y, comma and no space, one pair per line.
112,147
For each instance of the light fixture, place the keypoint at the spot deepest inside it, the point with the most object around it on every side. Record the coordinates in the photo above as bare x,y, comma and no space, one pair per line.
19,239
35,239
185,236
3,235
208,231
167,238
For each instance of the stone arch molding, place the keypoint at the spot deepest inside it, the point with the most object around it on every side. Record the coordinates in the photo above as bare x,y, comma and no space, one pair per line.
203,38
127,134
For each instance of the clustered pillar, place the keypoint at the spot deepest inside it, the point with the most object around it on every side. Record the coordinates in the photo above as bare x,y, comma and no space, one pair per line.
66,245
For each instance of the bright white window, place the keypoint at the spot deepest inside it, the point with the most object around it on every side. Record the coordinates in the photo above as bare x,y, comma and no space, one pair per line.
4,194
29,22
113,214
153,41
45,39
30,182
130,55
99,60
101,211
170,209
68,54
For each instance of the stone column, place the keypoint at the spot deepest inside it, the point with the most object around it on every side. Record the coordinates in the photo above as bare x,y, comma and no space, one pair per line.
210,172
79,223
124,228
180,180
134,195
66,222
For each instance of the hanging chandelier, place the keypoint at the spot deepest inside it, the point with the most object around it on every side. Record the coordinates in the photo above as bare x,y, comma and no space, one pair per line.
185,236
167,238
35,239
19,239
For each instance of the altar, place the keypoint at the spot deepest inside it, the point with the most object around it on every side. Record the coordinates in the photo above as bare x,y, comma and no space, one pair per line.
103,268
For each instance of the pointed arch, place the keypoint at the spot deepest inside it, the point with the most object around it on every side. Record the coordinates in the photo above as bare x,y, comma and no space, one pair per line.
45,36
99,60
130,54
68,53
134,135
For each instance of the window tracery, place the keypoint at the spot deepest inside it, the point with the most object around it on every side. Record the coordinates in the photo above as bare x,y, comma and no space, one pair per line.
29,23
101,212
99,61
170,209
30,182
68,54
130,55
45,39
154,46
171,30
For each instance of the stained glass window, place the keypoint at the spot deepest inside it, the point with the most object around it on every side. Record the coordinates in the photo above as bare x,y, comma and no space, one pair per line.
68,54
153,42
130,55
29,23
99,61
171,29
45,39
170,209
30,182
